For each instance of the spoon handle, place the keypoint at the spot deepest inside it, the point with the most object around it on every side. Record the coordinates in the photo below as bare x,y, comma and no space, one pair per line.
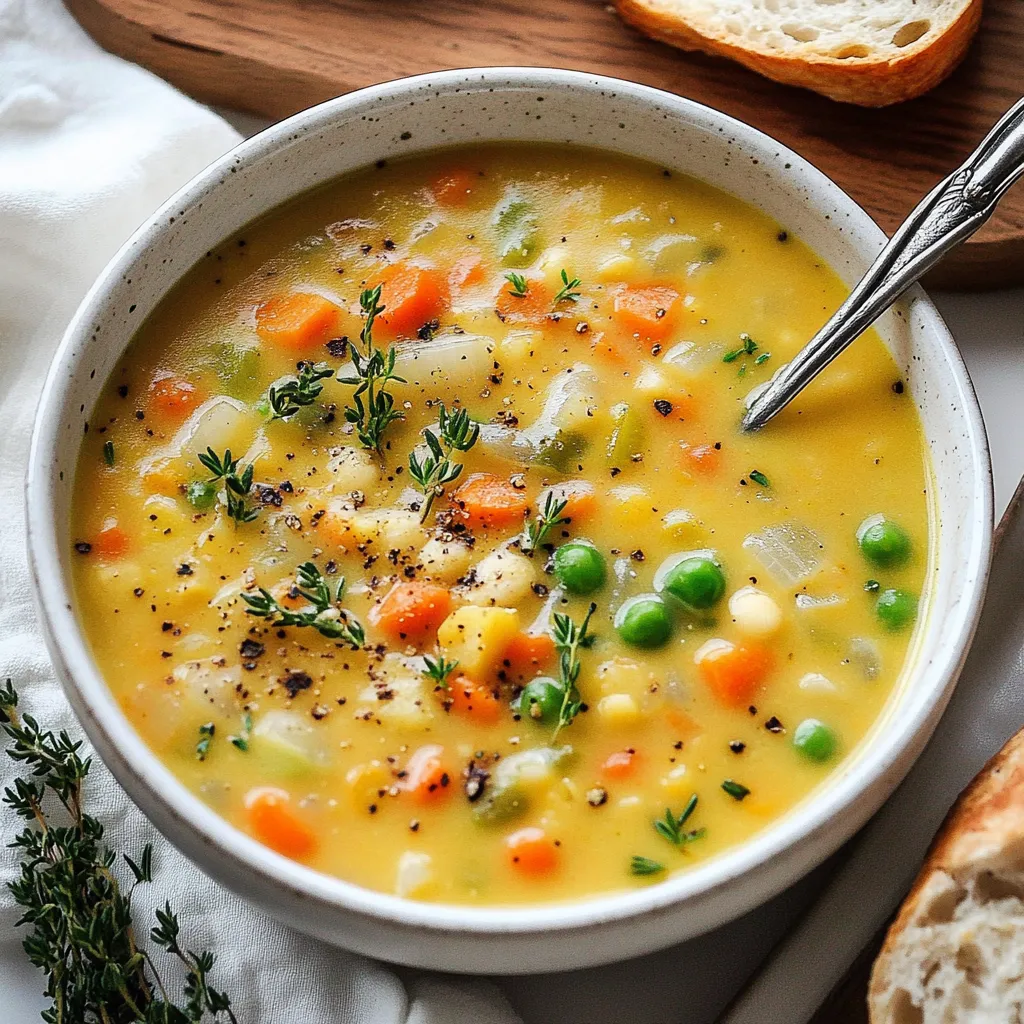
950,213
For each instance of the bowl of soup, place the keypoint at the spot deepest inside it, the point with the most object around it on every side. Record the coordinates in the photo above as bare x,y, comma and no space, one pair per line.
401,553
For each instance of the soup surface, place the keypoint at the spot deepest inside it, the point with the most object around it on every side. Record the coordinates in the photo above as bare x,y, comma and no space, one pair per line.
521,616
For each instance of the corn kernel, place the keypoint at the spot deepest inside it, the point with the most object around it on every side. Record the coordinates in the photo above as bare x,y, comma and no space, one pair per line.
618,709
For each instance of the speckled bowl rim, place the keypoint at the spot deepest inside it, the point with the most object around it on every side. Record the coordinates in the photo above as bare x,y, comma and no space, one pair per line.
149,781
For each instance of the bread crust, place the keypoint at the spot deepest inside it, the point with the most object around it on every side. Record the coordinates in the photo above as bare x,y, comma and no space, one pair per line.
863,81
983,831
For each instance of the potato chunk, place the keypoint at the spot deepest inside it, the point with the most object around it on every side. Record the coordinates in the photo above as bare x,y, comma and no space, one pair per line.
445,560
389,529
477,637
503,578
352,469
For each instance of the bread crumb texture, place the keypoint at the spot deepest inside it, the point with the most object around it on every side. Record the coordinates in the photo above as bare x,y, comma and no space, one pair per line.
869,52
955,953
963,963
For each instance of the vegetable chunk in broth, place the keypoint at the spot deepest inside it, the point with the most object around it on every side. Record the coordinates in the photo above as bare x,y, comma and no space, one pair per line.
416,534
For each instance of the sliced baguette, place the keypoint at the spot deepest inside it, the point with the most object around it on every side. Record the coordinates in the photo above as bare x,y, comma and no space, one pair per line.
868,52
955,953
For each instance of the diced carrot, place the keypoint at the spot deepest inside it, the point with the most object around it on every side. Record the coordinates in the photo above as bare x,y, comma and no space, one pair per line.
111,541
174,397
275,823
335,526
532,851
733,673
412,611
579,496
161,478
453,188
683,725
700,458
527,655
488,500
532,308
604,346
426,778
648,312
466,271
473,699
620,764
411,296
298,320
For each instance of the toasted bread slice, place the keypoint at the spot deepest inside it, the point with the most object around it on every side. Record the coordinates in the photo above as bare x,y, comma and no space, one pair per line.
955,953
868,52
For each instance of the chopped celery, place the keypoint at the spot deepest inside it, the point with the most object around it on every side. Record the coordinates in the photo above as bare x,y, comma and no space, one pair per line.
238,367
515,779
517,228
286,743
627,436
562,450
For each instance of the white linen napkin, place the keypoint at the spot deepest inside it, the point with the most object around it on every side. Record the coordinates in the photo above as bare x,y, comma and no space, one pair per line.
89,146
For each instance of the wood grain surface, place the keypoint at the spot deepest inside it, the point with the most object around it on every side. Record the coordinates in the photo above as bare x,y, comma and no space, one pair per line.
274,57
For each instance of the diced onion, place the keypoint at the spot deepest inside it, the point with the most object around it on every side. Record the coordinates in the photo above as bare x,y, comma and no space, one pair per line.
789,551
415,871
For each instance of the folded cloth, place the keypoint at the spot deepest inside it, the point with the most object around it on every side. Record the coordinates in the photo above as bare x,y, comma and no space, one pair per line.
89,146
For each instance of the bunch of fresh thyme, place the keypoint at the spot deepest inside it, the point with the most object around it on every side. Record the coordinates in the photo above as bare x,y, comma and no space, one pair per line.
236,485
81,921
569,638
373,409
458,434
326,617
294,393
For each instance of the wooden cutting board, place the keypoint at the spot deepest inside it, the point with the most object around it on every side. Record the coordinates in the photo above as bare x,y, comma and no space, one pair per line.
274,57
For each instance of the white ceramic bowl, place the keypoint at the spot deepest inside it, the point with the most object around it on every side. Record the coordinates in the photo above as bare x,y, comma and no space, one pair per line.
551,106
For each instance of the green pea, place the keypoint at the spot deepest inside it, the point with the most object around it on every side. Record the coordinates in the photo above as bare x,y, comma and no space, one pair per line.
896,608
815,740
541,701
644,621
696,581
883,541
580,567
201,494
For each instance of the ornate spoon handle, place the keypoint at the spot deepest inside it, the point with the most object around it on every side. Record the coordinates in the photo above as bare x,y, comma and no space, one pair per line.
950,213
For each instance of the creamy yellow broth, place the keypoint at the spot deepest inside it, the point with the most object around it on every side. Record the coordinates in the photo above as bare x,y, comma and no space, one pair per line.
332,739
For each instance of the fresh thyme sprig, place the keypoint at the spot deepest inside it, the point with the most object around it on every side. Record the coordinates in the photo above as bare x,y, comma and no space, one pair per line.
643,866
519,285
569,638
735,789
206,734
671,827
326,618
547,519
82,934
567,293
240,740
236,485
748,348
458,434
440,670
373,409
294,393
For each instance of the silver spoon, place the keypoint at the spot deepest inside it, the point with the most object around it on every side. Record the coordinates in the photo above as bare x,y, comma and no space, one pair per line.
950,213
